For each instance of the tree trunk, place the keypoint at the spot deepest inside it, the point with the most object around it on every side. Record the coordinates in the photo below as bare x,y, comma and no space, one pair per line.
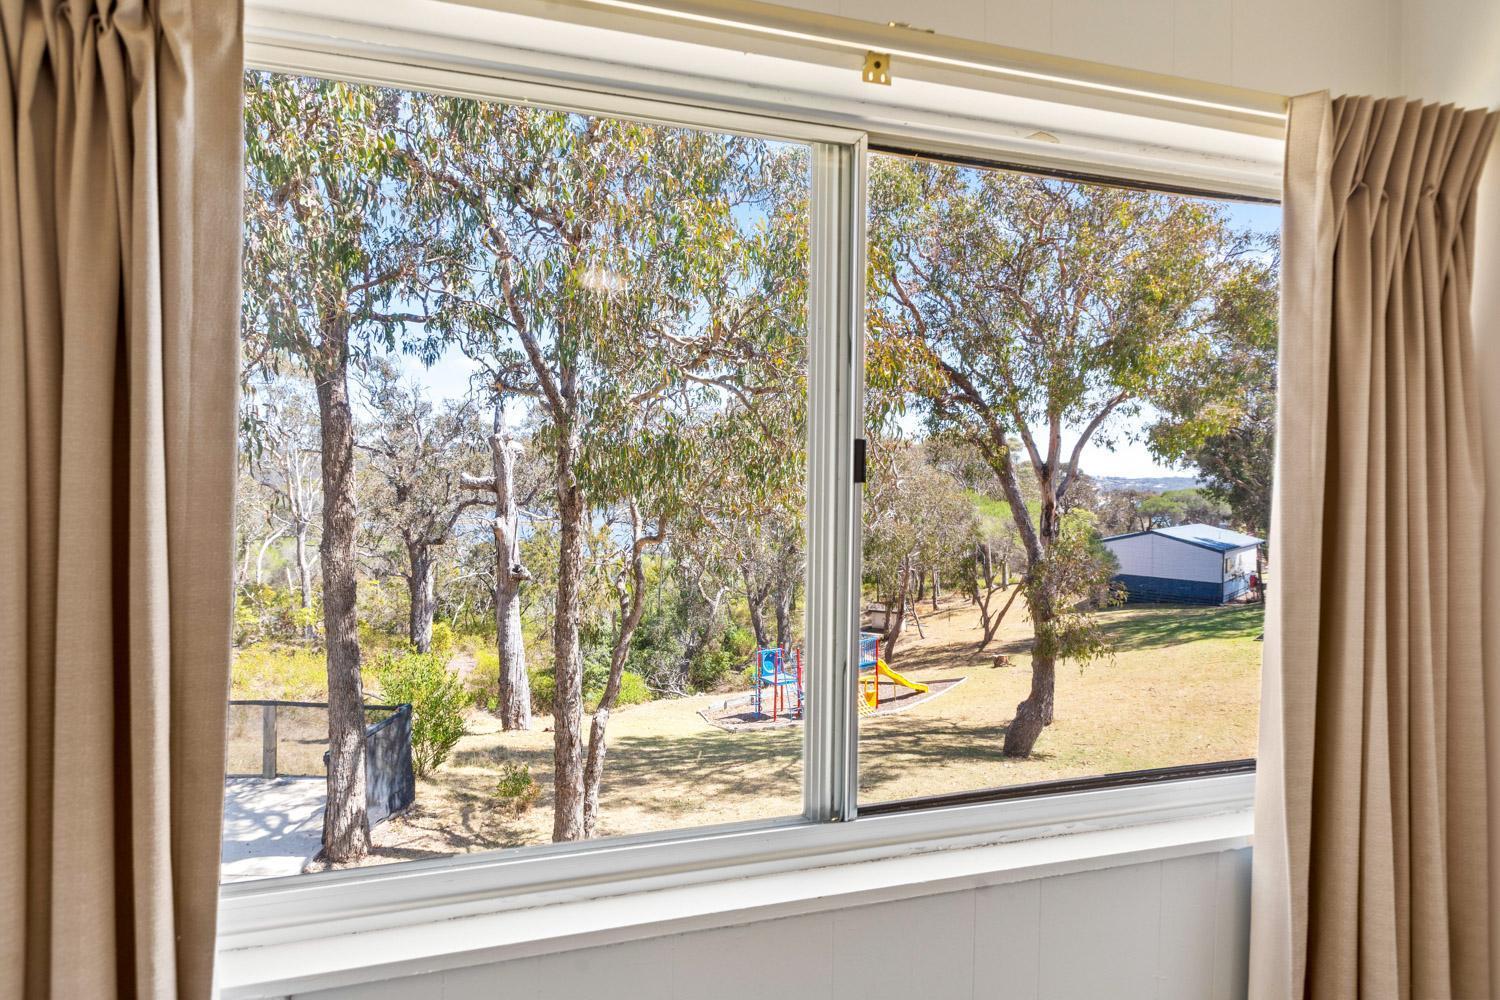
304,581
754,598
1035,713
632,604
419,585
510,644
991,624
567,723
786,599
895,619
934,590
346,825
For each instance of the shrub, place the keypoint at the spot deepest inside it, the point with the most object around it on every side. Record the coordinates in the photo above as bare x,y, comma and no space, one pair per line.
484,680
543,688
442,641
723,664
516,788
437,700
633,688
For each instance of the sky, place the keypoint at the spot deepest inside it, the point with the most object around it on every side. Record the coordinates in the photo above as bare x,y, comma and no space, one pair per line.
449,378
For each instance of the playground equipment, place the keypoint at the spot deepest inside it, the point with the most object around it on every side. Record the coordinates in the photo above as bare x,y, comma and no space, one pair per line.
871,663
779,670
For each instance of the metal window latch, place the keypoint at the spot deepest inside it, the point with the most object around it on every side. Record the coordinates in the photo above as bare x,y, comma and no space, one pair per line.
877,68
859,460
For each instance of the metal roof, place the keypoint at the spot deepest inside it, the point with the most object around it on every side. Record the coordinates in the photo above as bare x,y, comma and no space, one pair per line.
1203,535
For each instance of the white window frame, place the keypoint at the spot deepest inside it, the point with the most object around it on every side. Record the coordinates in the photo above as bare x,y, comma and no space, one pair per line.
296,911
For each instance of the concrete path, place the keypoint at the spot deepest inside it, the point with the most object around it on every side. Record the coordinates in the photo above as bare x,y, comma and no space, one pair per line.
272,826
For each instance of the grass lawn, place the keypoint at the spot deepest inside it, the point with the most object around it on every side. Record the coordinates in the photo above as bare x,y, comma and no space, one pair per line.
1182,687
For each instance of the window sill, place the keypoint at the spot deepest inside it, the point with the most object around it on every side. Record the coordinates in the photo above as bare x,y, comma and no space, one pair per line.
868,861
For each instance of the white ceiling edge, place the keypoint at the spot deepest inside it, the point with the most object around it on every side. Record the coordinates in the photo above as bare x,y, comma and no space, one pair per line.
408,36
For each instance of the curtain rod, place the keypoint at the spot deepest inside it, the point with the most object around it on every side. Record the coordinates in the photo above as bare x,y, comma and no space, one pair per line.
847,34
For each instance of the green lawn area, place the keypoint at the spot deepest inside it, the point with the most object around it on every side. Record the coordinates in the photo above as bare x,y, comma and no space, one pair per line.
1182,687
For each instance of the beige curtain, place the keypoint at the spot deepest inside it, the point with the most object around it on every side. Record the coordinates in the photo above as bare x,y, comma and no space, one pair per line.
120,153
1371,860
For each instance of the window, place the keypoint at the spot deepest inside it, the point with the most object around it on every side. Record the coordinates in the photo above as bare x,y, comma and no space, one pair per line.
521,520
1070,395
549,525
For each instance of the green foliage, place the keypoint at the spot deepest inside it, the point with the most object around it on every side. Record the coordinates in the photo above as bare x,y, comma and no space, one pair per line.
717,666
1075,580
633,688
437,698
516,789
543,689
277,672
484,680
272,614
442,640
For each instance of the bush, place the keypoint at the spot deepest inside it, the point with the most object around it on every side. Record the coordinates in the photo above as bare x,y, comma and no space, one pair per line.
633,688
517,789
484,680
724,664
543,689
442,641
437,700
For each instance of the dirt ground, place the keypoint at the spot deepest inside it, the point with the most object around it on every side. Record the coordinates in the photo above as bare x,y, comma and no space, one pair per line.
1182,687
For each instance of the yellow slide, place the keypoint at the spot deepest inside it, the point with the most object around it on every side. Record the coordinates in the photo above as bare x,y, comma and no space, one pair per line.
881,668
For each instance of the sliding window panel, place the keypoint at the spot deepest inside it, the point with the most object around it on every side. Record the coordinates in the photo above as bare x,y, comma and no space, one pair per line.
1070,388
523,511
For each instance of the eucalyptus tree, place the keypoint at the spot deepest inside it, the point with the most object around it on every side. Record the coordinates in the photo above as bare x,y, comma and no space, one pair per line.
600,267
331,261
1235,454
417,453
514,686
1013,306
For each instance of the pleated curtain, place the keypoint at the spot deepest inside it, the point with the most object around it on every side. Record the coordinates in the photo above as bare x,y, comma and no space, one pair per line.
120,234
1371,869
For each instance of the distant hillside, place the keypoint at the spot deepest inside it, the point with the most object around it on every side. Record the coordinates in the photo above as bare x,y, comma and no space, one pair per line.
1145,484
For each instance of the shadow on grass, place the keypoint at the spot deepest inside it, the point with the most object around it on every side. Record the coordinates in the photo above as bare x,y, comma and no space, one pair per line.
889,754
1132,628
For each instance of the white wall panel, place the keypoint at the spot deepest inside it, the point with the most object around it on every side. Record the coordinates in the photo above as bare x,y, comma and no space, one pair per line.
912,948
1283,46
1157,555
1169,929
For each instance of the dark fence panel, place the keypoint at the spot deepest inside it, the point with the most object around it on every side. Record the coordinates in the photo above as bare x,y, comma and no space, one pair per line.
390,782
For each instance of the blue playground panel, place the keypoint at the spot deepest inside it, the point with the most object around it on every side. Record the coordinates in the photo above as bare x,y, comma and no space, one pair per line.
774,672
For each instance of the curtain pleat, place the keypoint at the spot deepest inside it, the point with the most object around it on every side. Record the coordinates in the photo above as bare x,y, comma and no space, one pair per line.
1371,853
120,151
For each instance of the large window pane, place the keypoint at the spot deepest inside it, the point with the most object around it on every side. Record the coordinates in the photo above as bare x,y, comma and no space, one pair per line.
523,450
1071,394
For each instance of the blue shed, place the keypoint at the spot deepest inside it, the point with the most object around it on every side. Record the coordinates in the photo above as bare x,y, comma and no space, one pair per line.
1186,563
